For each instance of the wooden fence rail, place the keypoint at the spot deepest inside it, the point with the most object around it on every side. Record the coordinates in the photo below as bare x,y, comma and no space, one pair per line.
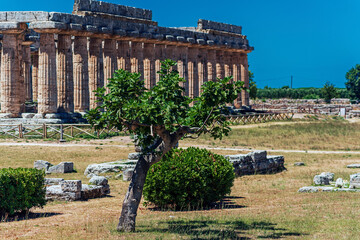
259,118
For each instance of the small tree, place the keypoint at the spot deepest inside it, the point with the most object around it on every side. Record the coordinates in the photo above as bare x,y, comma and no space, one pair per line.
160,117
353,83
252,86
329,91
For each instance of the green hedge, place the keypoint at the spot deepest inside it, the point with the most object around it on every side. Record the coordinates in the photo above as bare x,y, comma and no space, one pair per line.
21,189
188,179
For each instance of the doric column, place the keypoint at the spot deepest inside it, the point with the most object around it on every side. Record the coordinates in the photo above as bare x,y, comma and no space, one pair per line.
26,59
96,75
65,80
182,53
12,89
245,79
81,75
227,64
149,65
110,60
170,53
220,64
34,75
236,75
123,55
192,72
211,65
159,56
137,56
47,91
202,69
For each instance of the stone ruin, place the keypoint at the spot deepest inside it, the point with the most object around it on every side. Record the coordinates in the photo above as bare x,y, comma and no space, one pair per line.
59,59
63,167
257,162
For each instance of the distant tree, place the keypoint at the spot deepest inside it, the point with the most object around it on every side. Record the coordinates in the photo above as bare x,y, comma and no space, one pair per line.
329,91
252,86
353,83
160,117
285,87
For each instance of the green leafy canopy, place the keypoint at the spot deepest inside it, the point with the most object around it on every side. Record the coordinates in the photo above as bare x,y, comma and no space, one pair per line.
128,104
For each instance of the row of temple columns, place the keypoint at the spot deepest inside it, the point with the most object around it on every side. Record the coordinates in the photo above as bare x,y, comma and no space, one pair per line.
66,70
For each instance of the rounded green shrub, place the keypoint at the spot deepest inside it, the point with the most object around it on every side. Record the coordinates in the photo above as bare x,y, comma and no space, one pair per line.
188,179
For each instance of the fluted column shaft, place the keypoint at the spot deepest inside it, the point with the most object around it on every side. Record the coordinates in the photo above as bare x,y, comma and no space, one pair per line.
11,89
149,65
123,55
81,75
211,65
96,75
245,79
47,90
137,56
159,56
202,69
220,64
110,61
27,72
65,80
236,76
182,64
192,72
34,75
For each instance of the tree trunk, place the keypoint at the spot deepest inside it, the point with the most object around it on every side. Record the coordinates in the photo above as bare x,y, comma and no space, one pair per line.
133,196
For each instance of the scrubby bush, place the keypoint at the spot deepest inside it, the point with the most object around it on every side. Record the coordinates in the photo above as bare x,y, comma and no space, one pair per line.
188,179
21,189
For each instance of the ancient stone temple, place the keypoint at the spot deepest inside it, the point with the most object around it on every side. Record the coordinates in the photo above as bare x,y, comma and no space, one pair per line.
58,59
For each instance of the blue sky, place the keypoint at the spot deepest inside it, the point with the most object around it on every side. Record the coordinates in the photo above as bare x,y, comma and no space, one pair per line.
313,40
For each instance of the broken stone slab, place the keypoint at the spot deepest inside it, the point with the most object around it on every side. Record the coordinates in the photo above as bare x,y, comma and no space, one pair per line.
27,115
312,189
71,186
329,175
339,182
299,164
258,155
98,180
63,167
55,192
321,180
355,165
41,164
109,167
355,180
127,174
53,181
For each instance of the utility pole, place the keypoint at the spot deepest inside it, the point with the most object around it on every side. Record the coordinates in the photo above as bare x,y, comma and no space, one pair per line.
291,81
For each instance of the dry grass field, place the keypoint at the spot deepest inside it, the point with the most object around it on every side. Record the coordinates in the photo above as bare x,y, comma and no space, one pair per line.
259,207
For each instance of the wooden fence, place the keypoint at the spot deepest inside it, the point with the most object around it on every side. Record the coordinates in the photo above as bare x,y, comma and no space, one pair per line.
259,118
57,131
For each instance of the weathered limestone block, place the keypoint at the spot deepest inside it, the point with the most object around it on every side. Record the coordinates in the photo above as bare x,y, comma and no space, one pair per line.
63,167
96,169
355,165
339,182
98,180
53,181
312,189
299,164
324,178
355,180
258,155
55,192
91,191
41,164
71,186
28,16
127,174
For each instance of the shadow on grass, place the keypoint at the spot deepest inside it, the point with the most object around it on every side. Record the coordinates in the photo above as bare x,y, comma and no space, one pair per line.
27,216
216,230
225,203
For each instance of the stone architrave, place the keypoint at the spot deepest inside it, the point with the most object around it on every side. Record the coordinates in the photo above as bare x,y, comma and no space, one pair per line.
110,60
65,80
34,74
26,59
245,79
96,76
123,55
47,90
193,72
137,56
149,64
81,75
220,64
211,65
11,90
159,56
